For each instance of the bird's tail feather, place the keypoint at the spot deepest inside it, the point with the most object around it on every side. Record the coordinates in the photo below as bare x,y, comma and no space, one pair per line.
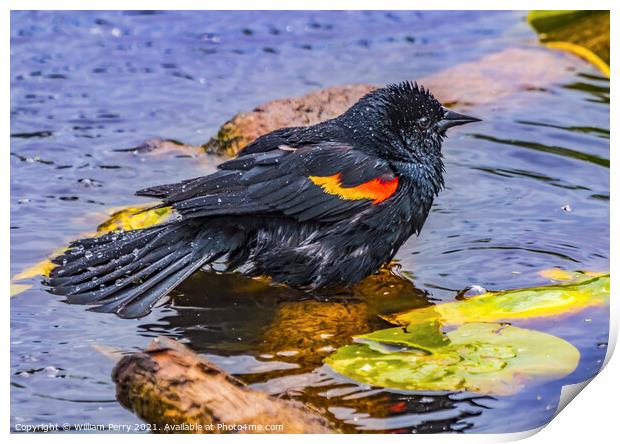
128,272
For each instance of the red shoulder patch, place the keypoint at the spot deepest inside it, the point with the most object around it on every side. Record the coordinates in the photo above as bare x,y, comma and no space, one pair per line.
377,190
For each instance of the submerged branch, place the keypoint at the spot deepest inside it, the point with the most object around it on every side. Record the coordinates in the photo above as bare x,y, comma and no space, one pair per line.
175,390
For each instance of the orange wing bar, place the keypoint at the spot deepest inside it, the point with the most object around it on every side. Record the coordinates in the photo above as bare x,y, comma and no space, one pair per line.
376,190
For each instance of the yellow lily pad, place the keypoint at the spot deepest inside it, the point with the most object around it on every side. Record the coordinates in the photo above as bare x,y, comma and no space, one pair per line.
481,354
19,288
583,33
487,358
41,268
559,275
130,218
585,290
133,218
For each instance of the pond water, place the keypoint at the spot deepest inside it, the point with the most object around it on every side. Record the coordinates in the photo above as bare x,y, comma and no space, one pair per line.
86,85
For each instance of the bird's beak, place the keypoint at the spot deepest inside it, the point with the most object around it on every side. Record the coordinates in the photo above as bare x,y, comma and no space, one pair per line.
451,118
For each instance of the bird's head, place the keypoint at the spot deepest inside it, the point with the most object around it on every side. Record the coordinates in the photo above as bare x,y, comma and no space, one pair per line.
403,121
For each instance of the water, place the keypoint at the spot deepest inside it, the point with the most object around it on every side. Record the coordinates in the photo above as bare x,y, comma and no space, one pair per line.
86,84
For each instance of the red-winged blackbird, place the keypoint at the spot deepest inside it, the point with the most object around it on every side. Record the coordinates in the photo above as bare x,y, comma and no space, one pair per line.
306,206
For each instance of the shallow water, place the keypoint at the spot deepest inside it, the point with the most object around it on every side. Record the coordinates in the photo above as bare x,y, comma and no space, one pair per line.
86,84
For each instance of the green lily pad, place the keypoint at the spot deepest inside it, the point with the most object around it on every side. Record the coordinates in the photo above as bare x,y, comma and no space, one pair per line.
487,358
423,336
481,354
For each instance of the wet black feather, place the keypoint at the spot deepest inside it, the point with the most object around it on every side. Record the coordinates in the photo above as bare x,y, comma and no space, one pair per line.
262,213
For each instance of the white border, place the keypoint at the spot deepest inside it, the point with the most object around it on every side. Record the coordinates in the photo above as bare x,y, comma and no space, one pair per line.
593,417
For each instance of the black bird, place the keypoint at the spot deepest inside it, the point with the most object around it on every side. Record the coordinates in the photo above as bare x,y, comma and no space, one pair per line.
306,206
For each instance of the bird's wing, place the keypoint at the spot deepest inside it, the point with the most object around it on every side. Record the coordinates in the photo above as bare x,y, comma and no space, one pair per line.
192,187
275,139
324,182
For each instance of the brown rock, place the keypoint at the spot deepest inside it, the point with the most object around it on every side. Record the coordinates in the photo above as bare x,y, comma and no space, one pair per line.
467,85
309,109
499,75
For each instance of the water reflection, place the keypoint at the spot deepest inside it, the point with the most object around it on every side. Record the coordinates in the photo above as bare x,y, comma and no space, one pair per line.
276,338
566,152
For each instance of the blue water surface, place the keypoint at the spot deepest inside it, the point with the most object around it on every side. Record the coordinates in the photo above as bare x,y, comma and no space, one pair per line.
87,85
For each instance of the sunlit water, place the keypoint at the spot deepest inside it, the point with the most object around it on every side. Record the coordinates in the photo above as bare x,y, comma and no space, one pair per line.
86,84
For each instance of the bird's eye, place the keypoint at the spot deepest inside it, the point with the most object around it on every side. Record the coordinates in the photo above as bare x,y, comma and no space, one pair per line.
424,122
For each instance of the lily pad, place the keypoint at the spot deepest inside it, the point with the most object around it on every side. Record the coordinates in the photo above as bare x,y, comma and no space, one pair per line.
585,290
481,354
133,218
19,288
583,33
130,218
424,336
487,358
41,268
